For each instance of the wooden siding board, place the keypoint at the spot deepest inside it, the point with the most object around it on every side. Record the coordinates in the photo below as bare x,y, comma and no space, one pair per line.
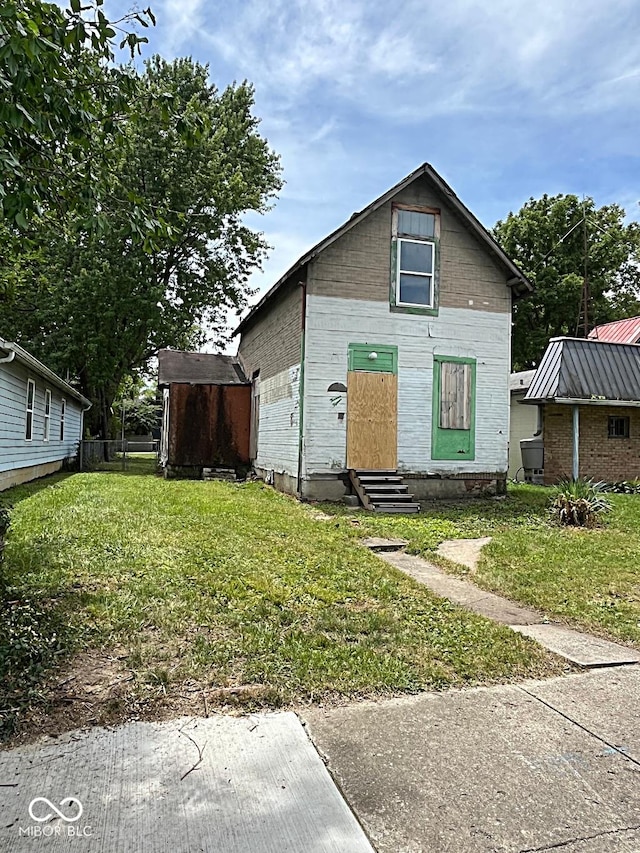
15,451
279,422
456,332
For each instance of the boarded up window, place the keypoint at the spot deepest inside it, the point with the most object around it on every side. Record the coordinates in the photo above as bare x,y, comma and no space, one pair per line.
455,395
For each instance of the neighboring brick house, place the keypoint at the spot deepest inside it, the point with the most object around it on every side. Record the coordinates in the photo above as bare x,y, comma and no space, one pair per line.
590,394
387,347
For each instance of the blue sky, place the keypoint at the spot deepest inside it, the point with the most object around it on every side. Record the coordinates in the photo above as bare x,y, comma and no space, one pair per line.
507,99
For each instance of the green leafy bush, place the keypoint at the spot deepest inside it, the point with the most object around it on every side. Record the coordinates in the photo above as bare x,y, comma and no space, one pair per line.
579,503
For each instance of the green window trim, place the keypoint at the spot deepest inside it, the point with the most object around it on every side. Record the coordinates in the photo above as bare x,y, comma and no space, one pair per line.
385,361
452,443
394,282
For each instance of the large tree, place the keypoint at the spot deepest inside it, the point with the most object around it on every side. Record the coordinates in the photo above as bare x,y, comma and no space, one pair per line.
556,240
60,94
99,302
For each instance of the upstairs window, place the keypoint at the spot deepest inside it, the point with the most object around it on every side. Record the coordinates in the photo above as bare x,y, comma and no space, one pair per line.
31,397
47,414
415,254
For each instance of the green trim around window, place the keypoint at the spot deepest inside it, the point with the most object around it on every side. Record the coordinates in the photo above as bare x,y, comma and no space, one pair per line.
414,309
386,361
452,443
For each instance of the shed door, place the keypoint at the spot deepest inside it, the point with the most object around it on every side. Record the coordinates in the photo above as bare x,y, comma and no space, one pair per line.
372,420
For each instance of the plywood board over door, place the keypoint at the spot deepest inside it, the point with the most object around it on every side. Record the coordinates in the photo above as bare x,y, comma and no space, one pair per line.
372,420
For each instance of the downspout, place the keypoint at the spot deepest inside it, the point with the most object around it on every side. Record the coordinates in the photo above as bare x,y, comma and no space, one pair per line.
303,320
576,442
8,358
539,422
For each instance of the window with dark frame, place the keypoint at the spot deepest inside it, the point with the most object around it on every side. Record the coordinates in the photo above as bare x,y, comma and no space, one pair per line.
618,427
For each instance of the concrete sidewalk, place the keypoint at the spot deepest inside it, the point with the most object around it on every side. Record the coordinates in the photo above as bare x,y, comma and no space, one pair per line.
259,788
542,766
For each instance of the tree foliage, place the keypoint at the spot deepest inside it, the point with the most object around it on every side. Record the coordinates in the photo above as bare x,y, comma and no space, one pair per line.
59,97
540,239
101,302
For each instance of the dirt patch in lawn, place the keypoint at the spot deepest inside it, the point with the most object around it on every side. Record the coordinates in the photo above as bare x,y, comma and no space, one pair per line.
97,689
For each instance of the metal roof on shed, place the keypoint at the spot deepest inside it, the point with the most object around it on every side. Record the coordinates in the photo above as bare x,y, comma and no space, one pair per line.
619,332
587,370
198,368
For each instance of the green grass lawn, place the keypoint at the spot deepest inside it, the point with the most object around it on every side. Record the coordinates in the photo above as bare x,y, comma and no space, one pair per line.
587,578
226,586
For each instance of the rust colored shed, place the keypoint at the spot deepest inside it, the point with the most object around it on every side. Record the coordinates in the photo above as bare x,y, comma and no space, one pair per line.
206,413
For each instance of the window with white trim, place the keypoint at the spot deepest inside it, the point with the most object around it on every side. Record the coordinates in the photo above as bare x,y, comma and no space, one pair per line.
47,414
63,411
31,399
415,235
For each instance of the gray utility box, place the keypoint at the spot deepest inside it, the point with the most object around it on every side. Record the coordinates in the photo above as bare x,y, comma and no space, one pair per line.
532,452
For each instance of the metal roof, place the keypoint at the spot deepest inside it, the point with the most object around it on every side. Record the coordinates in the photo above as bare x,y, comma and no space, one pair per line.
619,332
518,281
198,368
592,371
23,357
521,381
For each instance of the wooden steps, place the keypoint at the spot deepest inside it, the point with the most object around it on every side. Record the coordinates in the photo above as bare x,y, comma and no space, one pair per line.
382,491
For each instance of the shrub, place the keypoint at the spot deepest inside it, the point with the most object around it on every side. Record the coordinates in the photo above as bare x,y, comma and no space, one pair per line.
579,503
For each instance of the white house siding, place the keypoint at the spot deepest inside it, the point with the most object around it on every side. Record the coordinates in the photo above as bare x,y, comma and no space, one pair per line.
524,422
15,451
279,424
333,323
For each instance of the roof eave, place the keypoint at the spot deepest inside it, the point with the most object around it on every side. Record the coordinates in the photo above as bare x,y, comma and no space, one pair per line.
581,401
518,282
32,362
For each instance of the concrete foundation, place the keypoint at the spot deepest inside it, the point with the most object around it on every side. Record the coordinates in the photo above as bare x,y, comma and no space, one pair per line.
334,487
30,472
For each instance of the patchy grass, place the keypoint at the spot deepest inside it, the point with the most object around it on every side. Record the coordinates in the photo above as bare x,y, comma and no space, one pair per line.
587,578
236,590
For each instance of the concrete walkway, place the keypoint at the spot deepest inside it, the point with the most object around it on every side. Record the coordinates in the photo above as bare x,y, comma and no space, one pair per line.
260,787
576,647
542,766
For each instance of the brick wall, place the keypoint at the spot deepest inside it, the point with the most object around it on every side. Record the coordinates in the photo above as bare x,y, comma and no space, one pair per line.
272,342
601,457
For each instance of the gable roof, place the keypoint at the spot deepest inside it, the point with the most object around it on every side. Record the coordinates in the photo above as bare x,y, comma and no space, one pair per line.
620,331
16,352
518,281
587,371
198,368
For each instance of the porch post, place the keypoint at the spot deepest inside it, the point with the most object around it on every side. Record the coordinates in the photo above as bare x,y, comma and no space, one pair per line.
576,442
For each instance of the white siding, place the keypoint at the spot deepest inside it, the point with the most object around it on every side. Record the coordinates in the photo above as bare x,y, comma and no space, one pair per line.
15,450
524,422
332,324
279,422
